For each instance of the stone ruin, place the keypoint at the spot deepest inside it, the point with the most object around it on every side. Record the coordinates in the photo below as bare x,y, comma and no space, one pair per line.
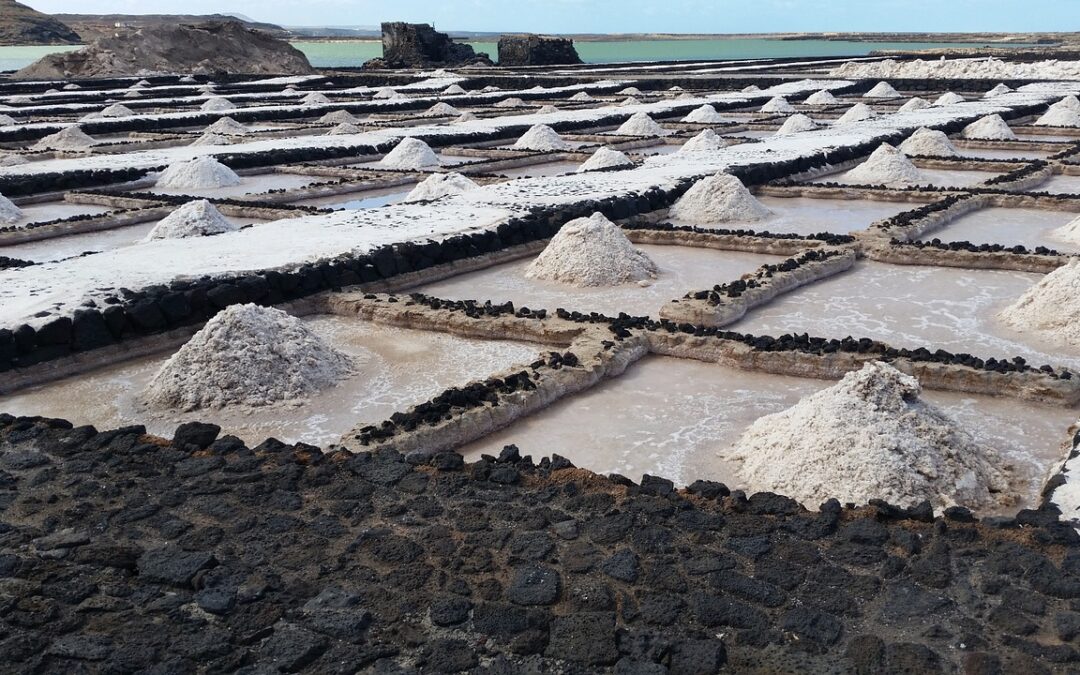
536,50
419,45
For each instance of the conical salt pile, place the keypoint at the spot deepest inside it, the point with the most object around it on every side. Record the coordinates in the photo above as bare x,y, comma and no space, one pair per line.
870,437
229,127
315,98
591,251
706,114
882,90
1050,307
886,166
117,110
795,124
490,88
630,91
605,158
465,117
345,129
547,110
69,138
915,104
720,198
823,97
629,100
247,355
384,92
856,113
778,104
989,128
1059,117
928,143
1070,232
949,98
441,109
750,89
706,141
998,91
6,120
217,104
200,173
1070,102
9,213
512,102
440,185
409,154
338,117
453,89
542,137
208,138
581,96
640,124
198,218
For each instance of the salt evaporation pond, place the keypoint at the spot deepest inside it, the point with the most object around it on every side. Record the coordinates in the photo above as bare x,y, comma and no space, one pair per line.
990,153
539,170
1009,227
809,215
1059,184
249,185
368,199
47,211
934,177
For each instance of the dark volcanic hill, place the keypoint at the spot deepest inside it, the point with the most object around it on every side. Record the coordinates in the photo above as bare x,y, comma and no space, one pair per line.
20,25
91,26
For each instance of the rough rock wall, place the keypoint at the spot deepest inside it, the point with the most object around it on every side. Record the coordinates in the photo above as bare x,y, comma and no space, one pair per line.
536,50
416,45
21,25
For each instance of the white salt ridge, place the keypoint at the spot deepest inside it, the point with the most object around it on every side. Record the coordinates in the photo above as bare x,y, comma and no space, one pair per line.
200,173
453,89
229,127
315,98
961,69
640,124
591,252
217,104
542,137
867,437
197,218
409,154
706,141
440,185
9,213
1059,117
998,91
581,96
795,124
856,113
823,97
989,128
882,90
117,110
720,198
886,166
777,104
949,98
338,117
1049,308
512,102
605,158
247,356
69,138
929,143
914,104
442,109
345,129
706,114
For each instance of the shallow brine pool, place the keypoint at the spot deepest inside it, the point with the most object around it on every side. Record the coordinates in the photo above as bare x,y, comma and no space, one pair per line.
808,215
1009,227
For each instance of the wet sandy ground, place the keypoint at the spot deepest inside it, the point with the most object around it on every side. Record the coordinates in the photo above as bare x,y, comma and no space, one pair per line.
808,215
1027,227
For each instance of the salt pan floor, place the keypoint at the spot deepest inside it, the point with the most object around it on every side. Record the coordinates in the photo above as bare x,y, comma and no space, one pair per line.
1059,185
935,177
47,211
1009,227
249,185
368,199
807,215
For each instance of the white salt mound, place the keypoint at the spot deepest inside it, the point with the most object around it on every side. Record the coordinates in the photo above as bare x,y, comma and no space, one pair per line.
6,120
198,218
856,113
629,100
315,98
410,153
68,138
338,117
989,128
914,104
441,109
706,114
581,96
605,158
750,89
1069,232
631,91
12,159
823,97
882,90
949,98
465,117
998,91
249,356
777,104
720,198
886,166
9,213
440,185
211,139
454,89
547,110
1070,102
229,127
384,92
640,124
345,129
512,102
867,437
541,137
217,103
117,110
706,141
591,251
490,88
1059,117
200,173
795,124
1049,308
928,143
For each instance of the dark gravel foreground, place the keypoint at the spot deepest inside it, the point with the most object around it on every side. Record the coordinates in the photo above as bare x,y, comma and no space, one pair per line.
121,552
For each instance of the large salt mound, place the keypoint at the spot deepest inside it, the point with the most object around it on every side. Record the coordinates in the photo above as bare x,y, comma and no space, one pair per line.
929,143
228,126
949,98
882,90
989,128
720,198
68,138
885,166
914,104
217,104
440,185
541,137
706,114
591,251
795,124
200,173
441,109
199,218
9,213
605,158
117,110
856,113
777,104
246,355
706,141
823,97
410,153
867,437
315,98
640,124
338,117
1061,116
1050,307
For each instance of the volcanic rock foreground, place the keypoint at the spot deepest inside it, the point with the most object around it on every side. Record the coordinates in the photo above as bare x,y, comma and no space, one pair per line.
124,551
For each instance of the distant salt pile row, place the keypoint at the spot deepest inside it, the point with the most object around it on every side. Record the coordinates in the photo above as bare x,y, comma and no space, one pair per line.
338,117
542,138
640,124
720,198
882,90
856,113
198,218
777,104
795,124
410,154
706,114
68,138
870,437
929,143
915,104
989,128
441,109
201,173
217,104
886,166
9,213
823,97
1064,113
706,141
1050,307
440,185
592,252
605,158
247,356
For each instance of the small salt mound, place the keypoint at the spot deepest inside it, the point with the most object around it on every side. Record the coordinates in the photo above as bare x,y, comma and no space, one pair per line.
629,100
1070,232
9,213
998,91
867,437
71,87
199,218
512,102
541,137
886,166
397,96
581,96
751,89
795,124
200,173
211,139
706,114
345,129
720,198
1059,117
6,120
916,104
441,109
706,141
188,79
384,92
12,159
440,185
823,97
989,128
778,104
630,91
685,96
453,89
591,251
856,113
247,355
338,117
1049,308
142,83
217,104
315,98
640,124
410,153
69,138
465,117
490,88
676,88
1070,102
949,98
133,94
605,158
547,110
228,126
117,110
882,90
929,143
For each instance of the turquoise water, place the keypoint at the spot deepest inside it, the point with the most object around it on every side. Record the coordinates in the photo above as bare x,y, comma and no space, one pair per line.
13,58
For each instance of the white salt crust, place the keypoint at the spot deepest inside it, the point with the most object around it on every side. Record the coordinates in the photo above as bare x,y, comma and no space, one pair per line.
591,252
201,173
440,185
197,218
720,198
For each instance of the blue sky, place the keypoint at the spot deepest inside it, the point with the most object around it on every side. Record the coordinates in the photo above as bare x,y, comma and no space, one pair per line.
629,16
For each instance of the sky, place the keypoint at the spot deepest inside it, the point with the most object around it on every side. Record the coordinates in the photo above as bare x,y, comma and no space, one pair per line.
625,16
